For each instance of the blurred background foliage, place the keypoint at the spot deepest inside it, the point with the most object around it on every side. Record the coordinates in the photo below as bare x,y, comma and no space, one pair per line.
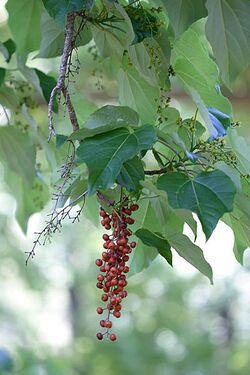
174,322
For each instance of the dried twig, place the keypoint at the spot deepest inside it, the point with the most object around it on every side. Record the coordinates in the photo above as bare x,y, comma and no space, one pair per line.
54,224
66,175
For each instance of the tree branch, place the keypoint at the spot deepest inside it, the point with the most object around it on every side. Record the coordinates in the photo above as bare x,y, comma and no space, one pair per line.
60,86
158,171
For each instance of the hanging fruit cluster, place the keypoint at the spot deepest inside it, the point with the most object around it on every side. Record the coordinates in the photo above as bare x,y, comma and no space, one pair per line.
113,265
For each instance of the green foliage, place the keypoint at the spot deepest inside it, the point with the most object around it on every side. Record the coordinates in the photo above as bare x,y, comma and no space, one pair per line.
131,174
134,90
116,147
47,84
123,135
52,37
209,194
183,13
199,74
59,9
18,153
10,47
24,23
227,19
2,75
156,240
191,253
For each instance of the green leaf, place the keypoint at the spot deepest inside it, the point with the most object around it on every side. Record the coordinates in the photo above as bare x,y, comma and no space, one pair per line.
191,253
241,238
30,75
154,239
107,42
18,153
131,174
111,114
60,140
230,172
171,118
30,199
146,137
47,84
105,119
10,46
24,23
171,220
77,189
53,37
140,58
199,75
8,97
116,147
138,94
228,31
242,150
4,51
239,221
183,13
143,255
2,75
209,194
59,9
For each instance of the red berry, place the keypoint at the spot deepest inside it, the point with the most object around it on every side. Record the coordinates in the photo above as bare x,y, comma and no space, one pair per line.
100,277
102,323
105,297
112,337
133,244
105,237
102,213
118,307
99,335
108,324
99,310
134,207
98,262
122,241
129,220
117,314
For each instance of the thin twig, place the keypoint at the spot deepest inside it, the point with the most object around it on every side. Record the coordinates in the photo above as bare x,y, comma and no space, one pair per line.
55,223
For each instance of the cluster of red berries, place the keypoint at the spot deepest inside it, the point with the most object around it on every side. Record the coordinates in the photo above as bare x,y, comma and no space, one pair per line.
113,268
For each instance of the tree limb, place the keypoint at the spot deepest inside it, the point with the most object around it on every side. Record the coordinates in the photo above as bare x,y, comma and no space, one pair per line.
60,86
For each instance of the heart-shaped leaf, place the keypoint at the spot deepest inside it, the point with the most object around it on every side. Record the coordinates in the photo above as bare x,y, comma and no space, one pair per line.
209,195
105,153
